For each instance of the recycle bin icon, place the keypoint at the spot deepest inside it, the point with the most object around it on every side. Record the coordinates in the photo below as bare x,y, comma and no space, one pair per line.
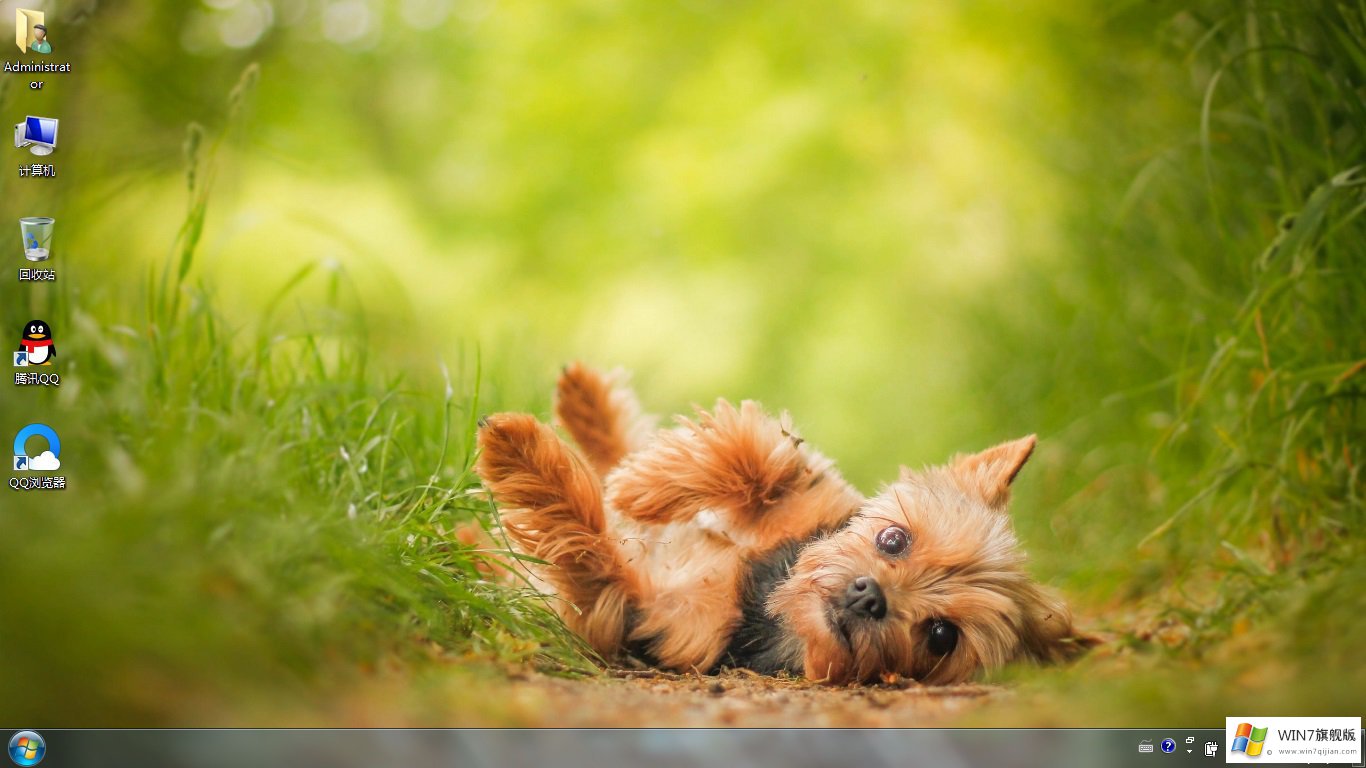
37,234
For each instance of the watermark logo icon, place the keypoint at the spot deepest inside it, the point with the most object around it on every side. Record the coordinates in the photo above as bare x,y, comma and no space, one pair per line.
1249,740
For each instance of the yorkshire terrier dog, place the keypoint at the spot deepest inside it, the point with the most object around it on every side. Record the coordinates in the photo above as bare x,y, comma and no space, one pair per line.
726,541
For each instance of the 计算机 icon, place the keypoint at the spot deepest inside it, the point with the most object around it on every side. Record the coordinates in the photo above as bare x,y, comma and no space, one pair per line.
39,134
35,344
44,461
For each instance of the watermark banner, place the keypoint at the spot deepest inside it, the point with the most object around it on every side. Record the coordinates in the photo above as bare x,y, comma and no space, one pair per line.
1278,740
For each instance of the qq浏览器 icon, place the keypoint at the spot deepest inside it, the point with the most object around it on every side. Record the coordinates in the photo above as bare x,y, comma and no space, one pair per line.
44,461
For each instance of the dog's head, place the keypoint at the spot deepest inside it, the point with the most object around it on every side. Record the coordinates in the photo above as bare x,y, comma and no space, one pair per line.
926,580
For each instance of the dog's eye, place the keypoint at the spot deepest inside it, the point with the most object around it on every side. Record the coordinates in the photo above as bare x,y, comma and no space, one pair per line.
893,540
943,637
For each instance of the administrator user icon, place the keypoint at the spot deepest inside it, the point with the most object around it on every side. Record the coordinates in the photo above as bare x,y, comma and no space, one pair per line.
27,748
30,33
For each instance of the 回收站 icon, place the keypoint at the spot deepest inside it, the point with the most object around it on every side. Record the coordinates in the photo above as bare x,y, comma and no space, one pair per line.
36,234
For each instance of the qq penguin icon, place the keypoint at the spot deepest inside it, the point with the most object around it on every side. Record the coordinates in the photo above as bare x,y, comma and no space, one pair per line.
46,461
35,344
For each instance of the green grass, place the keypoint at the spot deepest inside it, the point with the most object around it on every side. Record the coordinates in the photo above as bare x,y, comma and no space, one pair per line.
252,516
262,503
1217,324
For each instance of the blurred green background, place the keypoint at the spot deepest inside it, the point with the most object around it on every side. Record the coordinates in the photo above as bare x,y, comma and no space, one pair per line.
302,244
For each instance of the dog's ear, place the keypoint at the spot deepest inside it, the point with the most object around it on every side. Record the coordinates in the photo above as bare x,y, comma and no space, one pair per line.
1047,633
989,474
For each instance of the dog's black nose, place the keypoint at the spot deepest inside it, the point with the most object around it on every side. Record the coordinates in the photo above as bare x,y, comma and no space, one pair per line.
864,598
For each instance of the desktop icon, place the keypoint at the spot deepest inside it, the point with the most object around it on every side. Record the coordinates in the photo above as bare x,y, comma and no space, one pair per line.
35,344
39,134
1168,746
1145,746
27,748
46,461
30,33
36,232
1211,748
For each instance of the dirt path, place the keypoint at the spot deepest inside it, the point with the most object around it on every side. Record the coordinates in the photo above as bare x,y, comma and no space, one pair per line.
481,695
733,699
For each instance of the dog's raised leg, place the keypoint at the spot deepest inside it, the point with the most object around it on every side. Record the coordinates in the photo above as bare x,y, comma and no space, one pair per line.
551,506
739,464
602,414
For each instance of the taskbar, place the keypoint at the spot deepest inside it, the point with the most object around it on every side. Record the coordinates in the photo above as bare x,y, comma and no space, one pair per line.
657,748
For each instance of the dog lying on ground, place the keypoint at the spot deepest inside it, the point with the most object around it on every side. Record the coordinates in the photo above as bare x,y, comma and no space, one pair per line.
727,541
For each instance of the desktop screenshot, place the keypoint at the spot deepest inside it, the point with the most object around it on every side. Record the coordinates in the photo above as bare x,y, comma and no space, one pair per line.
687,382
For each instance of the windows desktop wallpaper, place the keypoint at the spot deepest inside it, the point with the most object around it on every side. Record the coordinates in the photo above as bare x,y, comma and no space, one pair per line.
298,248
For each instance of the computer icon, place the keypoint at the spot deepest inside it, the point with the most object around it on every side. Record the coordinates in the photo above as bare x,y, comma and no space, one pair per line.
39,134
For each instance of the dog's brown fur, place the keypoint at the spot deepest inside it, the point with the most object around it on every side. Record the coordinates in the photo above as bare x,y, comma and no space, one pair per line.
728,540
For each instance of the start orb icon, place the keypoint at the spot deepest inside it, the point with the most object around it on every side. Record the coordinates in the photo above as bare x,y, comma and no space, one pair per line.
27,748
